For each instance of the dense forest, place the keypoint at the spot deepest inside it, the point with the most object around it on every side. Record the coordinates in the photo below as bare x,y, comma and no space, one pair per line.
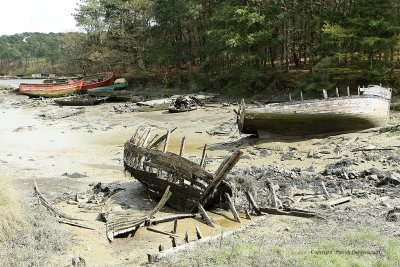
233,45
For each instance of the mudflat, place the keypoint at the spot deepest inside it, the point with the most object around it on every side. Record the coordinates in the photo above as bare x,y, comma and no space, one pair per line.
68,150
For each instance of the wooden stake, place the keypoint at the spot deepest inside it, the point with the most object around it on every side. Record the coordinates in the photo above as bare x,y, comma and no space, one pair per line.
253,203
358,90
348,91
301,96
248,217
337,92
205,216
160,248
290,97
182,149
232,207
273,193
324,191
175,226
186,237
173,242
203,156
166,142
150,258
325,93
198,233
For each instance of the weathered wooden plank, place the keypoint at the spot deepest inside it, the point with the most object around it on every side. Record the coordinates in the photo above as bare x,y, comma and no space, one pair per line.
232,207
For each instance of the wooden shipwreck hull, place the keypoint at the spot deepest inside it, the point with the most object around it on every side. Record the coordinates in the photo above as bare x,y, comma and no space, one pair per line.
189,182
330,115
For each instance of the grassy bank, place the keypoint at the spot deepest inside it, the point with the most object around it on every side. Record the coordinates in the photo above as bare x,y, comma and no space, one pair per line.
29,236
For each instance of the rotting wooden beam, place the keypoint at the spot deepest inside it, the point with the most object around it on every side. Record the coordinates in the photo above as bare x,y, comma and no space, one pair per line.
182,148
253,203
339,201
220,175
146,139
231,206
161,232
166,142
205,216
203,156
324,191
275,211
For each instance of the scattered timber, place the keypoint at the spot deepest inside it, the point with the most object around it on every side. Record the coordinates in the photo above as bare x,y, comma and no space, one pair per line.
125,224
190,183
368,110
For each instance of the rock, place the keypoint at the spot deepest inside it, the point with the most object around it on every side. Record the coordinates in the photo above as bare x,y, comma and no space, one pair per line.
264,153
393,215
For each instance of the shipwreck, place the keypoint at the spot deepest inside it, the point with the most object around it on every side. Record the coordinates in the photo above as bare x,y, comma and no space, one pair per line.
190,183
368,109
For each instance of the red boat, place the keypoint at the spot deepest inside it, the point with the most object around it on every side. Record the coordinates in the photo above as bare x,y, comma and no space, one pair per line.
96,80
50,90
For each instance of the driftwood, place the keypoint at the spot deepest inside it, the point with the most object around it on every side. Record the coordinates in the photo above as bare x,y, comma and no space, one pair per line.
126,225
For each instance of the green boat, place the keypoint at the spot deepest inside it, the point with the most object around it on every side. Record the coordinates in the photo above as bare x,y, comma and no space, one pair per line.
119,84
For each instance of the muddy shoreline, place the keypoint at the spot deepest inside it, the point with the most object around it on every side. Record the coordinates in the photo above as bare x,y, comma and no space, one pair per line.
33,147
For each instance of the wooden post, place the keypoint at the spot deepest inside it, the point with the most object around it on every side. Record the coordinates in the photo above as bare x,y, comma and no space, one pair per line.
325,93
182,149
301,96
348,91
203,156
290,97
166,142
248,217
358,90
175,226
174,242
205,216
198,233
186,237
150,258
342,191
232,207
253,203
160,248
325,192
337,92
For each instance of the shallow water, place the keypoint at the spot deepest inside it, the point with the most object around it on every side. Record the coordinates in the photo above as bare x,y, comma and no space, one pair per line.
15,82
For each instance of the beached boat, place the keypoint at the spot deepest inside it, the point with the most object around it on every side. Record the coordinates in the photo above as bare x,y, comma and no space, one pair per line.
119,84
96,80
80,100
116,96
50,90
189,182
369,109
